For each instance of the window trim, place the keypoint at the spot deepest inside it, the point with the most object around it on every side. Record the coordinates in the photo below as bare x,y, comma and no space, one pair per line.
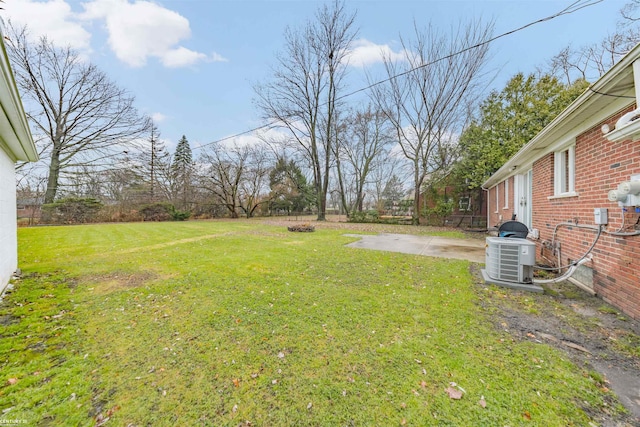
562,188
497,199
506,194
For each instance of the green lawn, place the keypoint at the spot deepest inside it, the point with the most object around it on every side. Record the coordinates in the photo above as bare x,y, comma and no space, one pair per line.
240,323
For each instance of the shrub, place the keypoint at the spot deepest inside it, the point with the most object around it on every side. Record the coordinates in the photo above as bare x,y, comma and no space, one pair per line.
163,212
365,216
157,212
180,215
442,209
72,210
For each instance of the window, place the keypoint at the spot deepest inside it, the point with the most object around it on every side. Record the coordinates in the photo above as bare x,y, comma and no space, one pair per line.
464,204
506,195
564,172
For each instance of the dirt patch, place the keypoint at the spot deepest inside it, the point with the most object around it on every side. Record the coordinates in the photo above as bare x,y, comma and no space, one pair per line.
8,320
589,331
116,281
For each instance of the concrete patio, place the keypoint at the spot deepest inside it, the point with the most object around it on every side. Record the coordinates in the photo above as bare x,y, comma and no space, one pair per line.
444,247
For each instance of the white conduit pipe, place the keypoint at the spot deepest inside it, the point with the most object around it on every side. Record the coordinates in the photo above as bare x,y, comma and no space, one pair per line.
566,275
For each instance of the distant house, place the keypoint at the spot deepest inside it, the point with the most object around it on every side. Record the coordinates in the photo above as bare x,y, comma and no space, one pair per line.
468,207
573,176
29,208
16,144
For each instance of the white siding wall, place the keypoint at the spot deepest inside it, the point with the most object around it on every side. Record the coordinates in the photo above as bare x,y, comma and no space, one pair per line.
8,224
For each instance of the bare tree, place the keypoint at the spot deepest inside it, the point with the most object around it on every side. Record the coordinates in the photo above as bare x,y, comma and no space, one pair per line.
592,61
426,96
237,176
76,112
303,94
365,144
254,187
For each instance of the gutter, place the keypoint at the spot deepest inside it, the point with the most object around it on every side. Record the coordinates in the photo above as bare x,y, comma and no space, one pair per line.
600,85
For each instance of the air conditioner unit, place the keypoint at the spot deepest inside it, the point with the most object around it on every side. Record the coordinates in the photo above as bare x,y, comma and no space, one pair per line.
509,260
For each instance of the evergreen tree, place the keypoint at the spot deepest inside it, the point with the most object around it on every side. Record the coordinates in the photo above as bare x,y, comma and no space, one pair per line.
156,167
393,192
508,120
182,173
289,187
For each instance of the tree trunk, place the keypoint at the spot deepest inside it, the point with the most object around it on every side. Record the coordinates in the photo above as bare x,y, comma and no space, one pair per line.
54,174
343,198
415,216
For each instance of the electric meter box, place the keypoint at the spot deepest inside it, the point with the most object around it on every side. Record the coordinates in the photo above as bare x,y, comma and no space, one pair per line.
600,216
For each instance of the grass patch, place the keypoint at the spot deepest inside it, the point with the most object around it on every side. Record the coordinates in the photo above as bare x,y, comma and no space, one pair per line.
219,323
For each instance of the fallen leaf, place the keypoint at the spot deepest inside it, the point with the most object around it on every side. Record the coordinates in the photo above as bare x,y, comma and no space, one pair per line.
235,408
236,382
309,405
423,384
281,355
111,411
482,402
530,335
12,381
454,393
526,415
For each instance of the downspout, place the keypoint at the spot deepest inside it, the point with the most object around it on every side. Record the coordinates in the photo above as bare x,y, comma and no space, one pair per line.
487,204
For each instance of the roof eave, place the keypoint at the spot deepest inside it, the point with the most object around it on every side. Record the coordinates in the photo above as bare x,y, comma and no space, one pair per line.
604,84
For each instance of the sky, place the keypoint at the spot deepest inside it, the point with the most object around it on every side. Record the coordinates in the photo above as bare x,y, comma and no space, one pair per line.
192,65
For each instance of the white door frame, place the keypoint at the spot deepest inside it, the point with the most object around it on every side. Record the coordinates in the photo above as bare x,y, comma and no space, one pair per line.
523,192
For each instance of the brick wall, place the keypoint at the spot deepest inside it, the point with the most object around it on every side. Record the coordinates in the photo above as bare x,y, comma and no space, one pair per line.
8,226
600,166
502,211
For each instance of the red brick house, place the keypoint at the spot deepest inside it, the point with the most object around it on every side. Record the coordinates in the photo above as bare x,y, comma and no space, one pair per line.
574,166
469,207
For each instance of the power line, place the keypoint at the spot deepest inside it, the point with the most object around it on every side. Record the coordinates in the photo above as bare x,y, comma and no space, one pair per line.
613,95
573,7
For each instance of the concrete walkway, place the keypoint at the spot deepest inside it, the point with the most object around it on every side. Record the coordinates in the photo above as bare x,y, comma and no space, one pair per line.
467,249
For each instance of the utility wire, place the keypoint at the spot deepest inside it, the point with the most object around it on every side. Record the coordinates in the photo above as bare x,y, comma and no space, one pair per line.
613,95
573,7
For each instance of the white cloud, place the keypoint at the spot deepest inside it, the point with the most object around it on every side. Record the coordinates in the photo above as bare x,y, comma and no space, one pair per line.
137,31
158,117
366,53
181,57
52,18
142,30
